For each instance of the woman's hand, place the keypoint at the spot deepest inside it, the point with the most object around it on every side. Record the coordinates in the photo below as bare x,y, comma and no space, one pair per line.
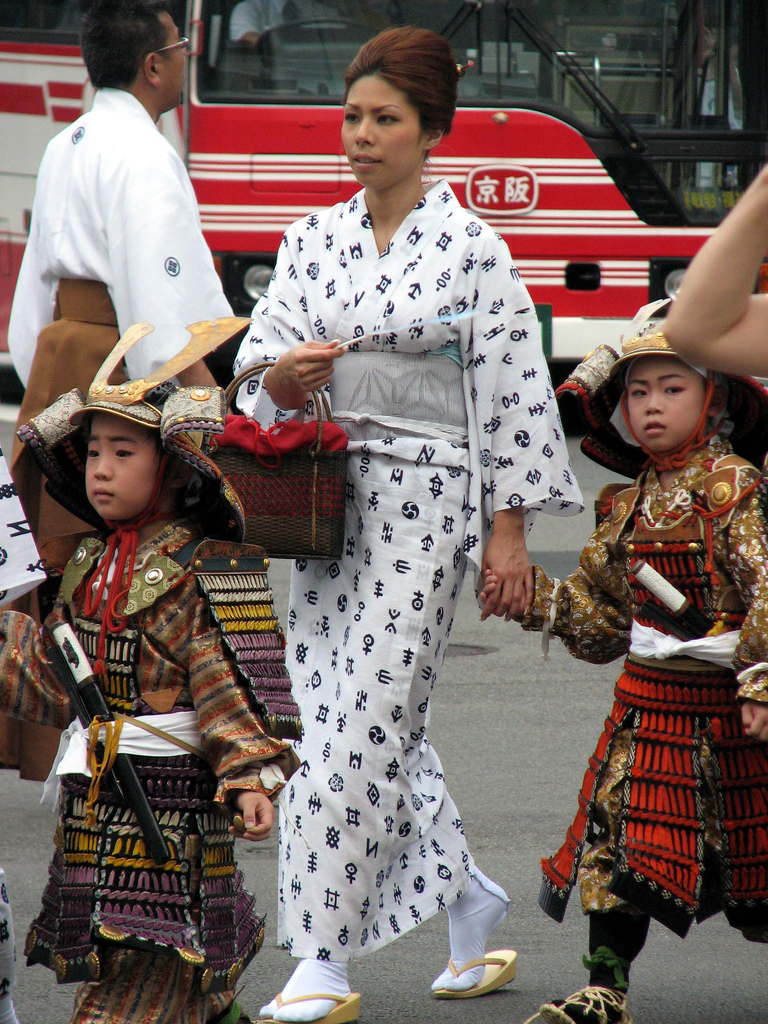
302,369
255,821
506,567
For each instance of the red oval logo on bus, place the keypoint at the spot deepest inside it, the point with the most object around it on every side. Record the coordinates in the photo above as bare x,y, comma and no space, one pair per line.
502,188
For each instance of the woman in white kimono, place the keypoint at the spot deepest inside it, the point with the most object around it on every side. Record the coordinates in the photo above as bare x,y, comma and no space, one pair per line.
454,439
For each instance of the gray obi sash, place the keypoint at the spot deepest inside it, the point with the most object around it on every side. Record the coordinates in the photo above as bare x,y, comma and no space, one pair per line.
399,394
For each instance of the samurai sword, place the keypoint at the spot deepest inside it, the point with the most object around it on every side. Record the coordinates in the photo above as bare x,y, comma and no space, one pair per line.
76,673
677,614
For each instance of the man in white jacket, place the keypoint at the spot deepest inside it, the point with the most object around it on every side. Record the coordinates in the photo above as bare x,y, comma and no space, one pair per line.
115,239
114,202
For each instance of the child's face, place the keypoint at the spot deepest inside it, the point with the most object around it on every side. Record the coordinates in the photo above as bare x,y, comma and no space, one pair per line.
121,468
665,398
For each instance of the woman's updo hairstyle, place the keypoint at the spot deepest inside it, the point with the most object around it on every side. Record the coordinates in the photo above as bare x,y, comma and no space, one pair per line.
419,63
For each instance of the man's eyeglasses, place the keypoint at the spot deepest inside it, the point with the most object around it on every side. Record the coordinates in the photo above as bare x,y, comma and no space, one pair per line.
181,44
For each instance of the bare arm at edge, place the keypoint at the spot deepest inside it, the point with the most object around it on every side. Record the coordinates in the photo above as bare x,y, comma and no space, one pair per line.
716,320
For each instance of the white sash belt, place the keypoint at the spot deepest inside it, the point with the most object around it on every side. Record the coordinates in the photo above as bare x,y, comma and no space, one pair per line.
647,642
72,755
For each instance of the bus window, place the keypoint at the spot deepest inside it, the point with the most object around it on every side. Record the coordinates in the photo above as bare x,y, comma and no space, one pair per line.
283,50
60,17
45,15
658,64
41,15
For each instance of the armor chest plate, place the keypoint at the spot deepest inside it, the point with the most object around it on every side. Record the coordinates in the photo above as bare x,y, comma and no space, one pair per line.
678,552
118,684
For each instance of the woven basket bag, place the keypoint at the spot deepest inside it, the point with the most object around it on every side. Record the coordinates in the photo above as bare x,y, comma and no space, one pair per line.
294,508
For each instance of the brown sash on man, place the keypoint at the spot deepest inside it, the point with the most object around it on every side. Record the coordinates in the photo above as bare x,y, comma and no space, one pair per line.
69,353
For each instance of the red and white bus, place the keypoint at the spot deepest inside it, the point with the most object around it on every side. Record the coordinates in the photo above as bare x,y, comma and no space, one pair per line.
603,139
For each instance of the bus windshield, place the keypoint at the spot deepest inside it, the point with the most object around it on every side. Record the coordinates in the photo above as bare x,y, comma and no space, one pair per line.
661,64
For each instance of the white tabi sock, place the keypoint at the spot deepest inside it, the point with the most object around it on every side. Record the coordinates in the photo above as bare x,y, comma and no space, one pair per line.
470,921
309,977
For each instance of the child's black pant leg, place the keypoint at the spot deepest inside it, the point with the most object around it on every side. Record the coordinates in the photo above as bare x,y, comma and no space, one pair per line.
615,939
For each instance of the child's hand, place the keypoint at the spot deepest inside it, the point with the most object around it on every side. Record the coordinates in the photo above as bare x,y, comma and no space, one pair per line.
754,717
506,557
257,816
491,581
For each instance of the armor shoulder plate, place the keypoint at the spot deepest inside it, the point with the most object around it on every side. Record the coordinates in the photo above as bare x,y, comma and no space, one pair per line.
622,507
157,576
730,477
233,579
80,564
604,501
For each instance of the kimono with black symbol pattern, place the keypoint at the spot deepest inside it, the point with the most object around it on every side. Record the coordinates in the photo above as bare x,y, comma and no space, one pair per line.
371,841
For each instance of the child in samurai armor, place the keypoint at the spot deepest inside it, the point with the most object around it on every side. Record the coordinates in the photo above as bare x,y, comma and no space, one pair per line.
144,902
673,810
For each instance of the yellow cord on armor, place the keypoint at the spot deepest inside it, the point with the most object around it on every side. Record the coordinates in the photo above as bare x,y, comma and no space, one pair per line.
100,768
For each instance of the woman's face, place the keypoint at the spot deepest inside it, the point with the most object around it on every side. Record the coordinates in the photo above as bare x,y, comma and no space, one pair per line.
382,136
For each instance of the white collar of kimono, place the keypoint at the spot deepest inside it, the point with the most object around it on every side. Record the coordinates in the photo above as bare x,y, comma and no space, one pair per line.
118,101
432,190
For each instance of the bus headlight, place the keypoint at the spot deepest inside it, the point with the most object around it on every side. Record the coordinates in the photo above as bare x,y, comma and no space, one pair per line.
673,280
256,280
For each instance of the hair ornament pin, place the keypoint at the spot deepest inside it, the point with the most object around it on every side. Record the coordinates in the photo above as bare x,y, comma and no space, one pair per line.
461,69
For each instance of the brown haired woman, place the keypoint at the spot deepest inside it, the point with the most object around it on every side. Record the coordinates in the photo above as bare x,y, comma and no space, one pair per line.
454,438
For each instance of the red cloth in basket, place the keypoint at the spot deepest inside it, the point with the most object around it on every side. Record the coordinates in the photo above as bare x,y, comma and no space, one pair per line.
271,444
